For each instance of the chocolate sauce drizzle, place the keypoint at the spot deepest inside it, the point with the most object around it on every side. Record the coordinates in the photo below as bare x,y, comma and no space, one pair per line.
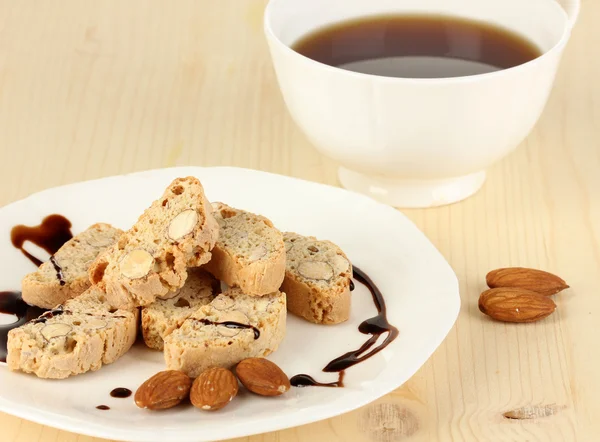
304,380
352,287
58,270
57,311
234,325
375,326
50,235
120,392
103,407
11,303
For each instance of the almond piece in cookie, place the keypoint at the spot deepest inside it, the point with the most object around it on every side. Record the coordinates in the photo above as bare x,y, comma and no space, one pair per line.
79,336
317,279
233,327
66,275
150,260
249,254
165,315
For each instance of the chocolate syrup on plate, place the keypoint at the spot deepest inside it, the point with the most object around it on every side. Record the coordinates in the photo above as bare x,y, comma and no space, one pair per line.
304,380
11,303
103,407
235,325
50,235
375,326
121,392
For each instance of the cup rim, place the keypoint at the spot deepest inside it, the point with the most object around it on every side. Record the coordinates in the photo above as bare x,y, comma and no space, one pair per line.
268,30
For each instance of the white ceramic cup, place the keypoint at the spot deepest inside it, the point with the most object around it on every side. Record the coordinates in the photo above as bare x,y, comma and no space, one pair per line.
416,142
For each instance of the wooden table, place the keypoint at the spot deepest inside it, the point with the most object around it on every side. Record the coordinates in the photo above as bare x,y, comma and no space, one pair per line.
95,88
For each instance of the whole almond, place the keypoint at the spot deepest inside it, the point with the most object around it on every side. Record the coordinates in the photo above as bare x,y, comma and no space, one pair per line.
515,305
213,389
262,376
537,281
163,390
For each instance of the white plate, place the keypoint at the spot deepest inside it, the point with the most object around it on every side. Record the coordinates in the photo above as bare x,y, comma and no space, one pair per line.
420,289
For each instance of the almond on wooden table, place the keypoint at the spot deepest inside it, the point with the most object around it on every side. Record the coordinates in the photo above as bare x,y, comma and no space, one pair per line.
262,377
214,389
165,389
537,281
511,304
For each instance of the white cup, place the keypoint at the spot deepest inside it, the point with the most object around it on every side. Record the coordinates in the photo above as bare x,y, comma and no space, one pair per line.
416,142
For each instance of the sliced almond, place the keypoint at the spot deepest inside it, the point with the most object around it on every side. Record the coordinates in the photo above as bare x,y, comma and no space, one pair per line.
233,316
262,303
136,264
222,302
340,264
100,240
258,253
317,270
96,323
56,330
183,224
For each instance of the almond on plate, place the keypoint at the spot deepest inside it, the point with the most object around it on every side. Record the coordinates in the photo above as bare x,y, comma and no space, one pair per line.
165,389
214,389
262,377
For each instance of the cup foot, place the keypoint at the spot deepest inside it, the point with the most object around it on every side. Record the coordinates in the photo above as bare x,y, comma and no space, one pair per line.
411,193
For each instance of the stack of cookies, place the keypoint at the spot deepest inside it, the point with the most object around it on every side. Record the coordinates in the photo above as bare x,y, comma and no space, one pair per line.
169,268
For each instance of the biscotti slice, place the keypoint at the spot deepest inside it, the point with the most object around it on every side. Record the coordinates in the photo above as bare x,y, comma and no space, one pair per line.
165,315
65,276
317,279
249,254
151,259
234,326
72,339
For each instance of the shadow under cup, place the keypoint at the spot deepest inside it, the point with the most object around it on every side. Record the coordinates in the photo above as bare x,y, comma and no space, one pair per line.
415,142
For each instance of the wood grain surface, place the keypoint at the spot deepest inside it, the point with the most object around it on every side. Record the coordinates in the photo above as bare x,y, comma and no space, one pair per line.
95,88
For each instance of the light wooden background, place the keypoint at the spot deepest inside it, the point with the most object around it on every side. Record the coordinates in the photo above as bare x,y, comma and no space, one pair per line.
93,88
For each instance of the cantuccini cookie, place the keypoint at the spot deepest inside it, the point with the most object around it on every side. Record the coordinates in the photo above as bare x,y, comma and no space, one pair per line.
150,260
249,254
65,275
79,336
234,326
165,315
317,279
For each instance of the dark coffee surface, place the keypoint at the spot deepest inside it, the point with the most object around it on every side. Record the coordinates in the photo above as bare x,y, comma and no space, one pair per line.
417,46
